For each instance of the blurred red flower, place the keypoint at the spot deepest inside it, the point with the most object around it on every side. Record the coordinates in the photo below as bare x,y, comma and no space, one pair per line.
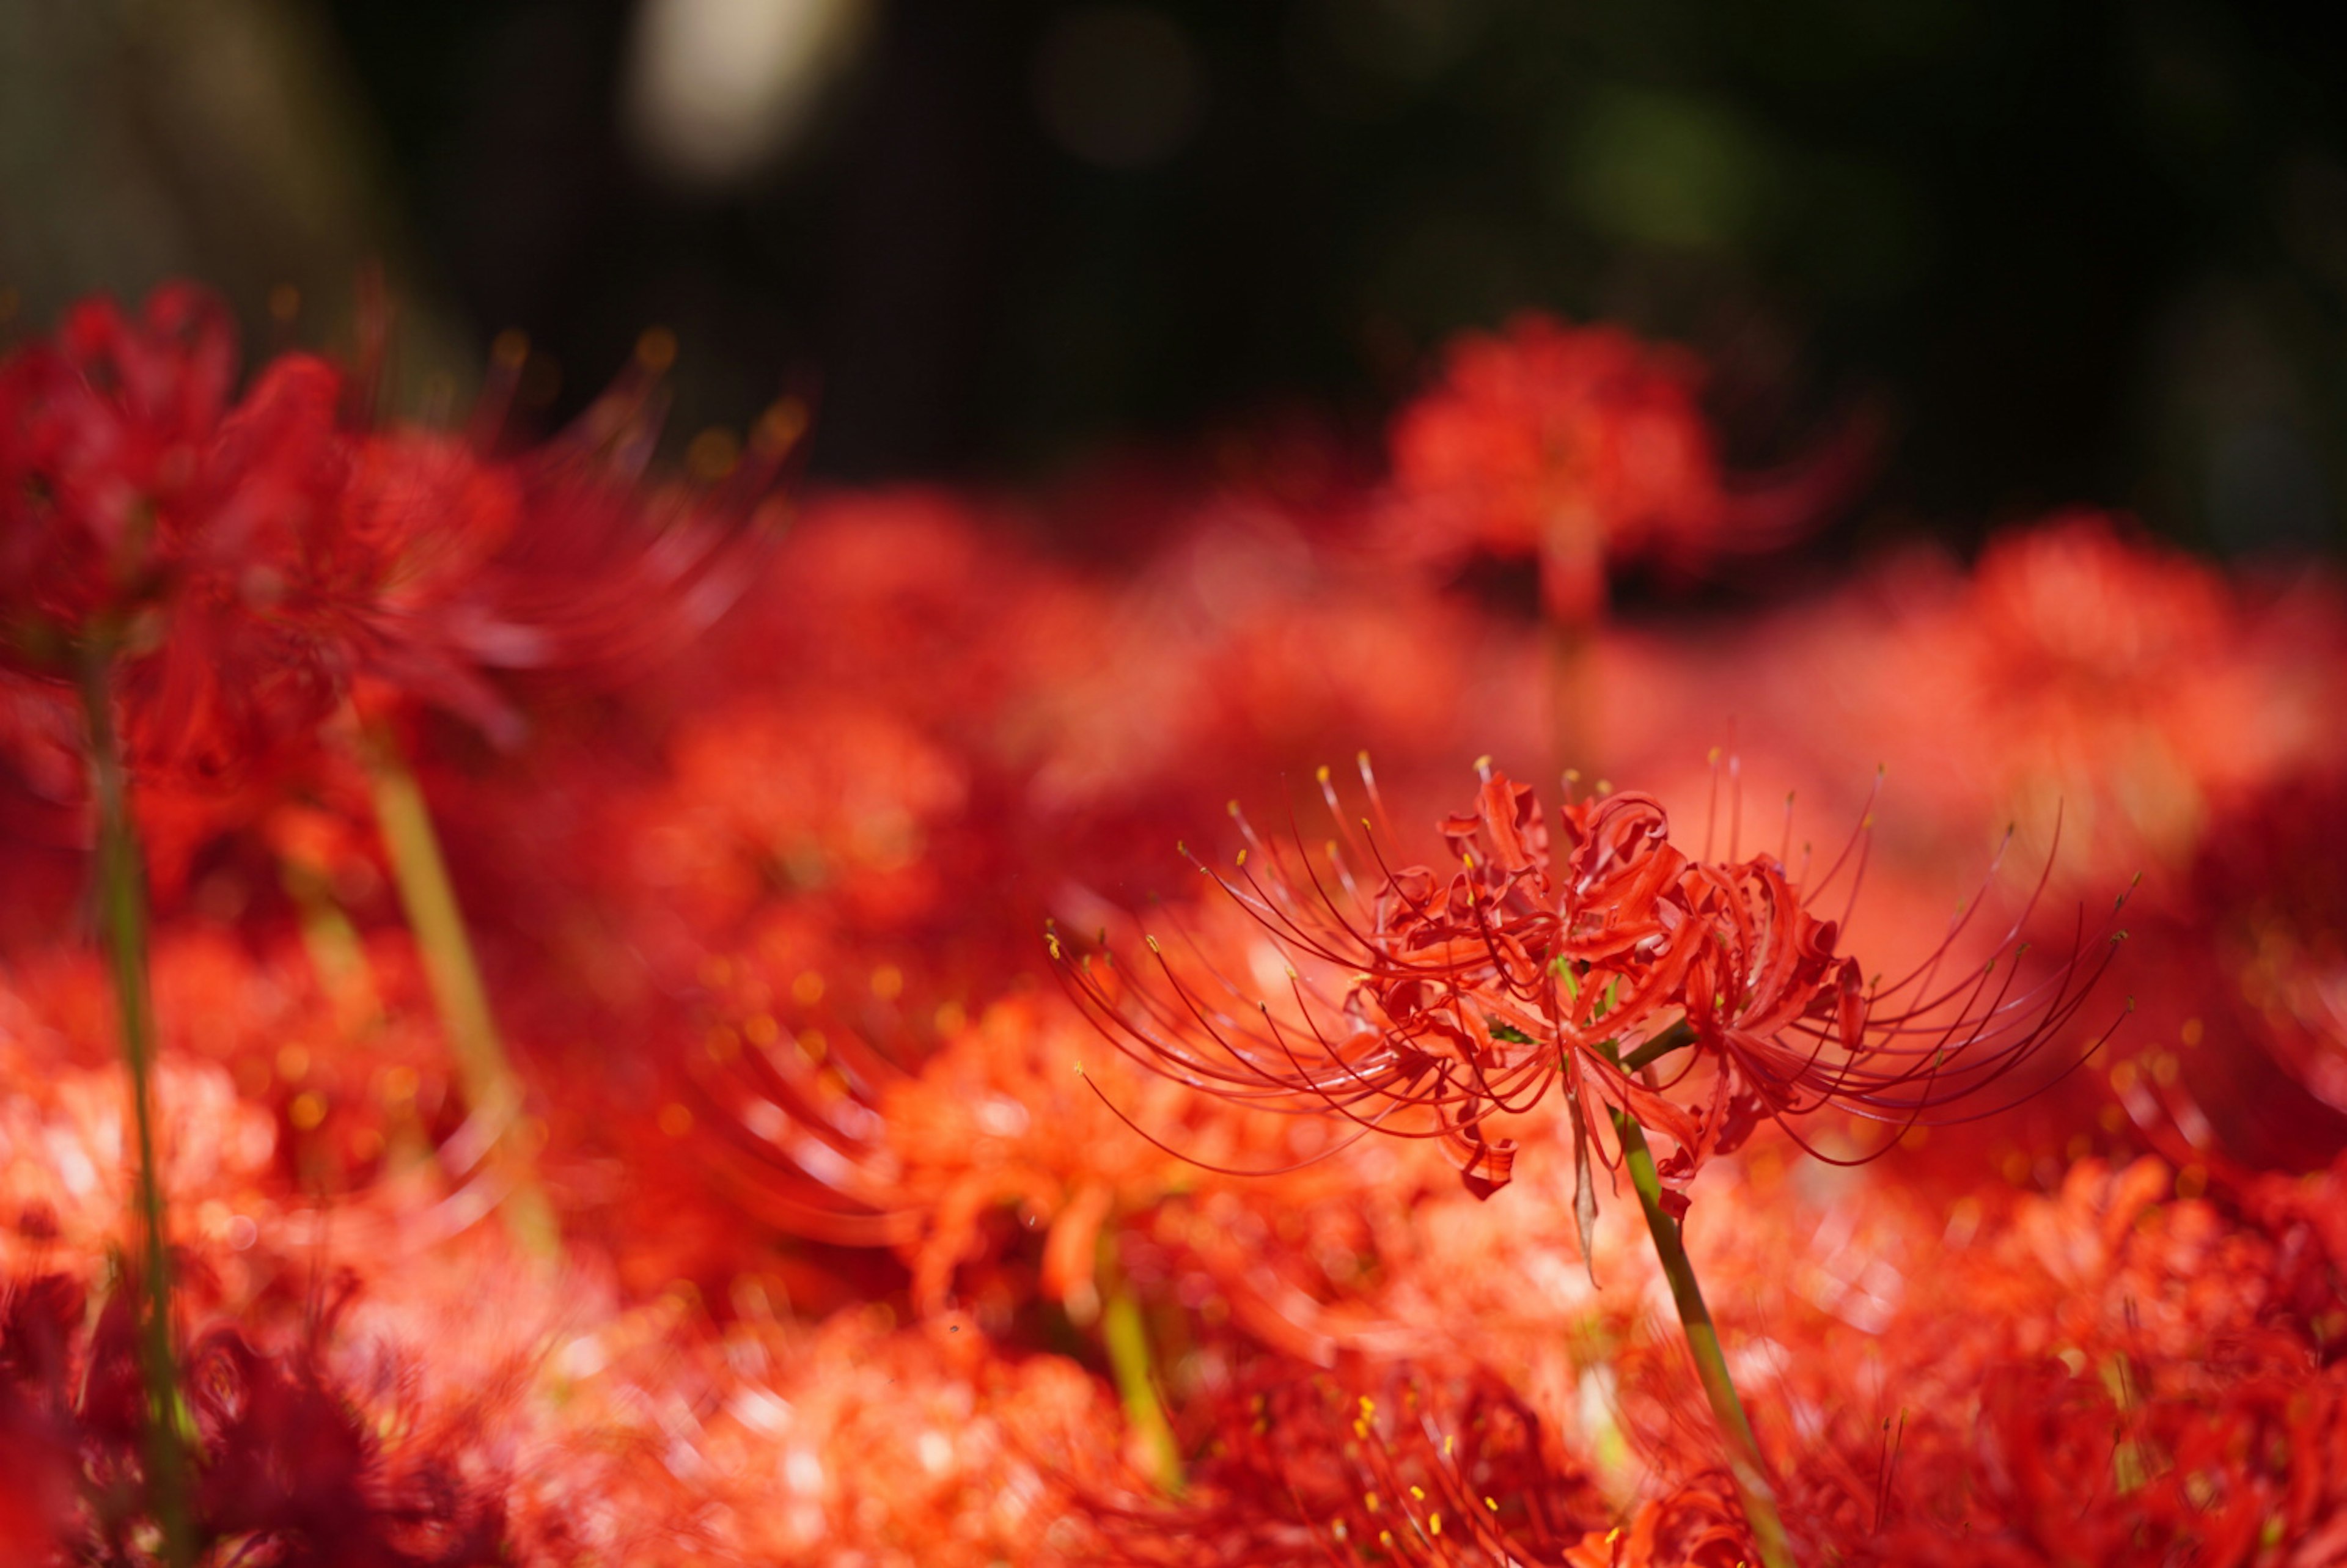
244,566
1581,446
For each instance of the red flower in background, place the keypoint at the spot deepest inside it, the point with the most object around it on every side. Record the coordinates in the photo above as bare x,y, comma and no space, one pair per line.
147,518
244,566
1581,446
1399,1464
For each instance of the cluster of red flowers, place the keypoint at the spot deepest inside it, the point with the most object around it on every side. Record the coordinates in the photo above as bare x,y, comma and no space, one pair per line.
240,568
884,1232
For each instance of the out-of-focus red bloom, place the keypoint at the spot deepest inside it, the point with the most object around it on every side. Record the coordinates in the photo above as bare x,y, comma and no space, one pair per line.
1578,446
2102,1375
243,567
849,1442
2245,1065
2140,690
1473,996
147,518
2273,883
294,1467
1399,1464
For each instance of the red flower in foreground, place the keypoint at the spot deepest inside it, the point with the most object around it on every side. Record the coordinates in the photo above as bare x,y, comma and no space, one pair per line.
298,1469
1473,996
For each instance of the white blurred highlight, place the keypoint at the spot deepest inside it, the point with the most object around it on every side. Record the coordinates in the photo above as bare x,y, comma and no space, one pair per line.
716,90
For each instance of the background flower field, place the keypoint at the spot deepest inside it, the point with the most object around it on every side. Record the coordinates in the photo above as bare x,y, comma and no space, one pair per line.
624,1083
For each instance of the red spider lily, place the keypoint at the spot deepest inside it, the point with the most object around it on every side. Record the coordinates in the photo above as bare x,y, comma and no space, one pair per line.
1408,1464
849,1442
1581,446
146,518
244,566
2102,1375
2152,694
1473,997
2271,882
296,1470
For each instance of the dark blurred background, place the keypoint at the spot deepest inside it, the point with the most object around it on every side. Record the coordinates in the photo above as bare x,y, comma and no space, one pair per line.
2075,253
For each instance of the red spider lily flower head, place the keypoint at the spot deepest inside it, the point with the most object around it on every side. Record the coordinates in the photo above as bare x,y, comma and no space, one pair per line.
2100,1374
2079,662
1579,446
1427,1464
449,564
1430,1463
145,517
243,567
294,1463
1576,957
2273,886
933,1445
2246,1065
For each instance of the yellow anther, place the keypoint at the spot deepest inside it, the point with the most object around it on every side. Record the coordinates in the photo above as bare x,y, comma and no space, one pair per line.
1434,1524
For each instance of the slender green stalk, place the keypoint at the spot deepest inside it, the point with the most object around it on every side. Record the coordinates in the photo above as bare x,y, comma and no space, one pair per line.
1681,1034
1744,1462
483,1071
1127,1339
122,897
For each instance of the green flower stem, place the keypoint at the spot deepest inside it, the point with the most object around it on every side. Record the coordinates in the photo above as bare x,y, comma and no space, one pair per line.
1745,1463
122,897
1127,1339
1678,1035
484,1072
